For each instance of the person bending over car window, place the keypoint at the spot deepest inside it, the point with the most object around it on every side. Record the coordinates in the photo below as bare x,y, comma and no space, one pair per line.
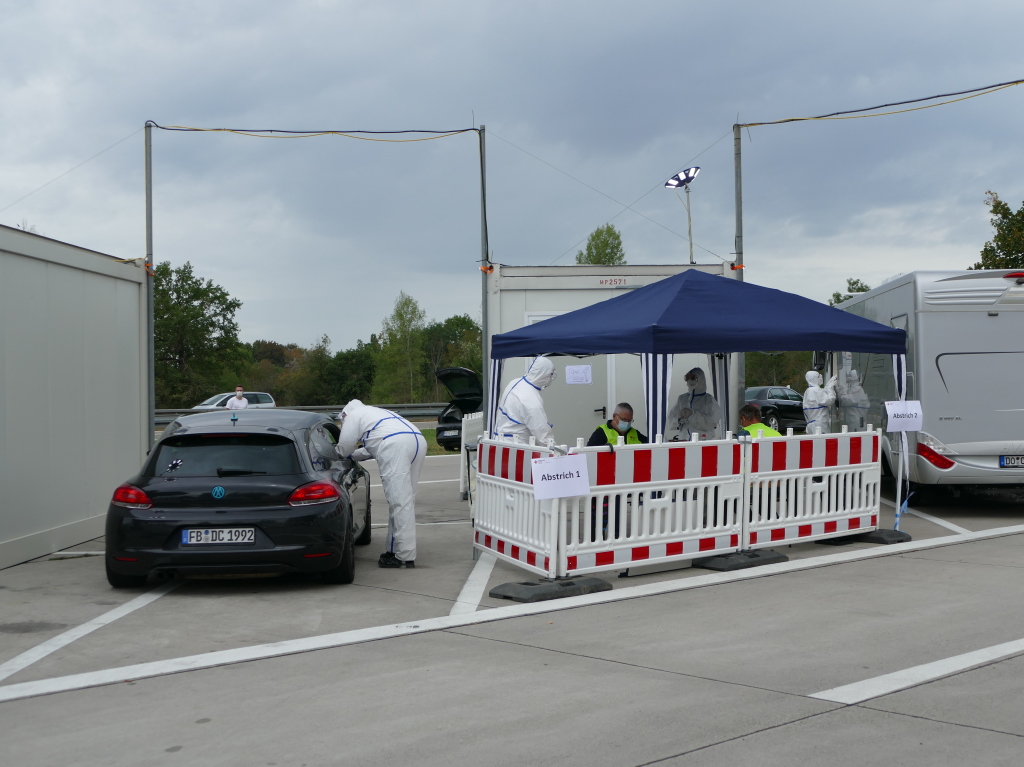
399,449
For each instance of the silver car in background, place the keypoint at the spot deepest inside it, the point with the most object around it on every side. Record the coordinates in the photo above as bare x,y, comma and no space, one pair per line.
257,399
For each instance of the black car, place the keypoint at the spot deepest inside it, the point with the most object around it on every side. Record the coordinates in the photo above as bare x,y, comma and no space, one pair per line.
242,491
781,407
467,394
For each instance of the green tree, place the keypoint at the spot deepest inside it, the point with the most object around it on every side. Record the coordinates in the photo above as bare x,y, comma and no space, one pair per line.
352,371
1006,249
452,343
604,246
306,380
853,286
271,350
778,369
399,364
195,336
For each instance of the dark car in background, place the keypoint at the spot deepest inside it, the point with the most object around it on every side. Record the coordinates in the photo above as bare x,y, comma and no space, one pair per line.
781,407
467,395
240,492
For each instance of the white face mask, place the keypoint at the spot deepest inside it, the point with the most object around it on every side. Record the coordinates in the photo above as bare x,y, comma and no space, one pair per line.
691,383
238,394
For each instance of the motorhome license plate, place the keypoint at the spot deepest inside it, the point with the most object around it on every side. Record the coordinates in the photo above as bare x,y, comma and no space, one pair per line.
1011,461
218,535
451,433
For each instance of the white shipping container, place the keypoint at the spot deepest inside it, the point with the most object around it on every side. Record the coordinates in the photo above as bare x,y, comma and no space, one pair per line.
74,390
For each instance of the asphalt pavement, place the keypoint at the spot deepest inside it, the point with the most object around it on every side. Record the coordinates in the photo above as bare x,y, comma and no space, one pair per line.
420,666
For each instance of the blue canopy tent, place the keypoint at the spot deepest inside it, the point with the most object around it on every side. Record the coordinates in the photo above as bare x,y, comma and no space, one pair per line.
691,312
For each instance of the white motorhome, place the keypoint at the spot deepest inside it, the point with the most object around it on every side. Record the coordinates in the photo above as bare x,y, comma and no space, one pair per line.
965,363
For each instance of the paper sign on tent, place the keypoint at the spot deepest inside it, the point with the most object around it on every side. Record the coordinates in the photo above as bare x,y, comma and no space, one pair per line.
904,416
560,477
578,374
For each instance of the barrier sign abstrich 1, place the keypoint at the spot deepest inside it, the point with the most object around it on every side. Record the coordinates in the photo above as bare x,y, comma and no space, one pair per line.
904,416
560,477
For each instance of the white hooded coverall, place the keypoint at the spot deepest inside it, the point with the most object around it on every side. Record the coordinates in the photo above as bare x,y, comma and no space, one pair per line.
521,408
695,412
399,449
855,402
818,401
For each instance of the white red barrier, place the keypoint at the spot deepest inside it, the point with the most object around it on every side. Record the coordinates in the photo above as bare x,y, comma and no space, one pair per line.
658,503
811,487
654,503
507,520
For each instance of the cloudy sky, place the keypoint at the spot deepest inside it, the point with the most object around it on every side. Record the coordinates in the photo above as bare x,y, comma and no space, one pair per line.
589,106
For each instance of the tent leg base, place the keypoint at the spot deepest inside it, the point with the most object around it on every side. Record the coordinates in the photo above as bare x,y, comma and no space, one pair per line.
545,589
741,560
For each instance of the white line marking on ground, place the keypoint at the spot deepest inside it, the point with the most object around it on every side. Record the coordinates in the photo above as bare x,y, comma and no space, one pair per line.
326,641
427,482
936,520
73,554
422,524
858,692
40,651
476,583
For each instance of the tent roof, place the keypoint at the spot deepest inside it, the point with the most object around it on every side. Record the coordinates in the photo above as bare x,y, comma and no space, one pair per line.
702,313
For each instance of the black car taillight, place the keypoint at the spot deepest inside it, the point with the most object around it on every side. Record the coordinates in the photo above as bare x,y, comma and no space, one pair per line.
314,492
131,497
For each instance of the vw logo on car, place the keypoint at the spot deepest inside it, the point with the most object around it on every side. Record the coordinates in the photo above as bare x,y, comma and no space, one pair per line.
219,492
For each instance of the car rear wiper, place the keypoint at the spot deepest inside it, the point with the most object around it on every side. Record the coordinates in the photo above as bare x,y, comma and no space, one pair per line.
236,472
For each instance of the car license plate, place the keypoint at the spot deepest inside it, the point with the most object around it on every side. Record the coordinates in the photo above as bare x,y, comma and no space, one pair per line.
1011,461
450,433
218,535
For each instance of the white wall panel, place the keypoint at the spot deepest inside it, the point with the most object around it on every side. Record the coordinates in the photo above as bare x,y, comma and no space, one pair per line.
73,390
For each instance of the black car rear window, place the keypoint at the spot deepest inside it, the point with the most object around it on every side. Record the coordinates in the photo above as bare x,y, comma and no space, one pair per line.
224,455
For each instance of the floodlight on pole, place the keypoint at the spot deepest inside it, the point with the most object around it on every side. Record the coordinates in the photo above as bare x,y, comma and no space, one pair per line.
683,179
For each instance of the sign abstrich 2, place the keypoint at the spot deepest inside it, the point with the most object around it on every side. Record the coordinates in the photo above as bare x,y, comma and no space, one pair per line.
904,416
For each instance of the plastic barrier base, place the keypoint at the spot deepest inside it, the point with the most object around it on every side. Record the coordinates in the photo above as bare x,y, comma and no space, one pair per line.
885,537
741,560
543,590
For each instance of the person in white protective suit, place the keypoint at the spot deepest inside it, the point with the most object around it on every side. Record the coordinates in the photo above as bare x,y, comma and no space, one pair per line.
695,412
521,408
818,401
855,402
399,449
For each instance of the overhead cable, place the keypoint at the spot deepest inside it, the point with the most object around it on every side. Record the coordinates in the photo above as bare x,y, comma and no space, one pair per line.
62,175
364,135
853,114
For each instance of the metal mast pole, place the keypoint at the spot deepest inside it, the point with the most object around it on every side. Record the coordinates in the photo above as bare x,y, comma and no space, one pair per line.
150,349
485,261
740,384
737,146
689,223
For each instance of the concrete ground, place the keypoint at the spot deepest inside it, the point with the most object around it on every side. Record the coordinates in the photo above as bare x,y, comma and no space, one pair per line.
675,667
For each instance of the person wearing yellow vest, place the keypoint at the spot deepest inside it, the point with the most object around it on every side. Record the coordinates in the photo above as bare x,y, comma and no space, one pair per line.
750,422
621,425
